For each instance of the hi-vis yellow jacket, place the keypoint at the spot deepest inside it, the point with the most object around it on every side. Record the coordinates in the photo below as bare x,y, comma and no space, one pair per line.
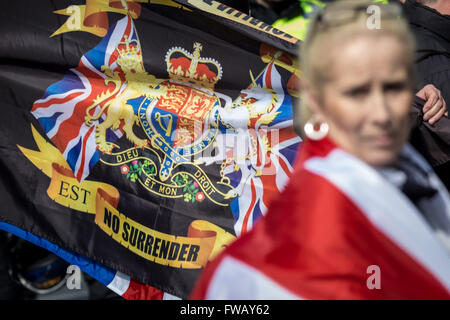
297,26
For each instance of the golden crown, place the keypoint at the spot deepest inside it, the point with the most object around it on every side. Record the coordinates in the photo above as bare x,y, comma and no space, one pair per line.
130,58
191,68
128,48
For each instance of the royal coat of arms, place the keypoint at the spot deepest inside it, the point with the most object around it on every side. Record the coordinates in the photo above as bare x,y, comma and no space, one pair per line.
174,136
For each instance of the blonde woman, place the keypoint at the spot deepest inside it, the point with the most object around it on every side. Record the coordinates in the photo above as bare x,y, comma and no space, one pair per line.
364,216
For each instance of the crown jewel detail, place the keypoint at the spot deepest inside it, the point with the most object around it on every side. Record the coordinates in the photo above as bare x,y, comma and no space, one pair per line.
130,57
192,68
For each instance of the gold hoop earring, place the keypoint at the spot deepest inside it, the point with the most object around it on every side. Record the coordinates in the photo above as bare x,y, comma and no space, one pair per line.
311,126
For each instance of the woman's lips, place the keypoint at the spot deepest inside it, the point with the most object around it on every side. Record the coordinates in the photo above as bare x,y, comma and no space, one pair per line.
384,140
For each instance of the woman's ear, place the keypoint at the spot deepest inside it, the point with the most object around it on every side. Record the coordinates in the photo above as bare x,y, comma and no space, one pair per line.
309,97
306,107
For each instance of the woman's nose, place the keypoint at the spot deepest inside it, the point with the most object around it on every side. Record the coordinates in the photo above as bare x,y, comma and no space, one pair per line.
380,108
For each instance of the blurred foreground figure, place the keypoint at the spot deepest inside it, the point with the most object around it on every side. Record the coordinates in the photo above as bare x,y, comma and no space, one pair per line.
430,23
364,216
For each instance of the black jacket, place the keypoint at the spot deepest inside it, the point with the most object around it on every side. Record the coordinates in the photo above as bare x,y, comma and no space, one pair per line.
432,32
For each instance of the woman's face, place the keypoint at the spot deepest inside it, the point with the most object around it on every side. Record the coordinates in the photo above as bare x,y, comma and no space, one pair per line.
367,99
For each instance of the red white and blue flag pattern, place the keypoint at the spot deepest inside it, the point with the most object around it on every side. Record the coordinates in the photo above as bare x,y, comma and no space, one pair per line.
61,111
276,166
335,237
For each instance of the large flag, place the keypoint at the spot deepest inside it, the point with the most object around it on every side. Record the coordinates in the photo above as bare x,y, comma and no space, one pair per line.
350,246
140,138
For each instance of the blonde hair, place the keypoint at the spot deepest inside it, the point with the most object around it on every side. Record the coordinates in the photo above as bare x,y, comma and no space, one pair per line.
321,40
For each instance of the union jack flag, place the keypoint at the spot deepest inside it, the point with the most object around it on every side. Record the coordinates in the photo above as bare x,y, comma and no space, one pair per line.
276,166
61,111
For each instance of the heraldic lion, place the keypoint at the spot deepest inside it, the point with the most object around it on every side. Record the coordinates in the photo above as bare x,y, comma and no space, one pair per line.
138,83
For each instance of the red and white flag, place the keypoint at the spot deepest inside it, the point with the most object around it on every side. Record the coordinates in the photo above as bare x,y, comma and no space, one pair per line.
337,225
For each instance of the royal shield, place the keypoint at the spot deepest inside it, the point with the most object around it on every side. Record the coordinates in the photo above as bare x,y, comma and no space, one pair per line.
177,123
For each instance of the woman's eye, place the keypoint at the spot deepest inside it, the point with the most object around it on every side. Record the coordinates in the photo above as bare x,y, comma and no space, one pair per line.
395,87
357,93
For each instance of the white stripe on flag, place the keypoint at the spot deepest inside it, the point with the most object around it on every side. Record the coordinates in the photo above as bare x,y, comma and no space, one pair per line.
69,106
120,283
394,215
115,38
168,296
58,96
252,284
